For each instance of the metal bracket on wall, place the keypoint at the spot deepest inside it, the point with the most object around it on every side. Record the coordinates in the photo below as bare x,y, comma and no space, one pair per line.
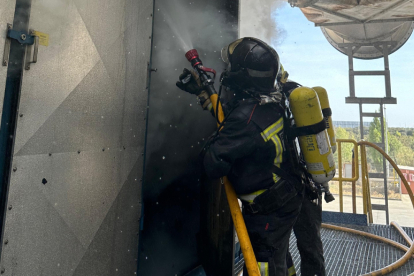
7,42
29,58
23,38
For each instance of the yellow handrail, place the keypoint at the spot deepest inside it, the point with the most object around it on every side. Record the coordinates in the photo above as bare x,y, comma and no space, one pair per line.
410,192
364,174
368,210
340,141
340,179
238,220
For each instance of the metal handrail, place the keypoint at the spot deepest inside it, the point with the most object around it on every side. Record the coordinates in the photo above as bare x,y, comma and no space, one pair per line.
366,192
367,207
364,173
386,156
340,141
341,179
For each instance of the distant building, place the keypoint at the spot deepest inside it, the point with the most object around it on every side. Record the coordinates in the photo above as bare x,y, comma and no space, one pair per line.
408,173
349,124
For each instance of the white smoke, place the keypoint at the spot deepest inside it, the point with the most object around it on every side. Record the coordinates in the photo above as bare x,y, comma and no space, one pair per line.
257,19
192,26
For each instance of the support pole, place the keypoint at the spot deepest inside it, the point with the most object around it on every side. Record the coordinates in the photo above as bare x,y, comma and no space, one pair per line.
353,184
341,199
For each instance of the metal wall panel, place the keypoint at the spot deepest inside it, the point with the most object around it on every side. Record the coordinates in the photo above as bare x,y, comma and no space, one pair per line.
75,192
6,16
177,129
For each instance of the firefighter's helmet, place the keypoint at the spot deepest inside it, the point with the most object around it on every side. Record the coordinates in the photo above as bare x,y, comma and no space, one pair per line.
252,65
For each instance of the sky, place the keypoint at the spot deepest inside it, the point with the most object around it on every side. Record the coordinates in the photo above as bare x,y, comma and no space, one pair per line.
312,61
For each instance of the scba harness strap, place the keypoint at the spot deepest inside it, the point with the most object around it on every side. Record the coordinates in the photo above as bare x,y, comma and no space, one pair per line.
307,130
293,179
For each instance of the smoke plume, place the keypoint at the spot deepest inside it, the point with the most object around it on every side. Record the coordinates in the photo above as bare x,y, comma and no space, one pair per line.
257,19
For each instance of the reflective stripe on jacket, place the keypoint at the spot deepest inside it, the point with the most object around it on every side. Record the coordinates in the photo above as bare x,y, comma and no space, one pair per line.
247,147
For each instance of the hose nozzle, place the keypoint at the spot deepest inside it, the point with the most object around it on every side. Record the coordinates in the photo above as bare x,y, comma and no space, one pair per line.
197,64
192,54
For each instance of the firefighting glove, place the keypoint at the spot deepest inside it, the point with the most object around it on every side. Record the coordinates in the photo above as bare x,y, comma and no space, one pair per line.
190,82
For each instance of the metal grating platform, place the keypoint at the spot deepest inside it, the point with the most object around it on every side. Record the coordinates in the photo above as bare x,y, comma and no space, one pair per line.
350,254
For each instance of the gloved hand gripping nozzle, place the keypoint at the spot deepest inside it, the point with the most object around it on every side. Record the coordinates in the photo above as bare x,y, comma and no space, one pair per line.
189,81
201,84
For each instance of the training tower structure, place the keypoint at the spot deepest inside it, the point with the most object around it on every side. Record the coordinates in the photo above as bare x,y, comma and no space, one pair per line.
366,29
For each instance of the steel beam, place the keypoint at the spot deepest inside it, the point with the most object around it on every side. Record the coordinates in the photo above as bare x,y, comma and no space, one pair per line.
397,4
379,207
366,100
344,16
368,73
406,19
384,165
343,45
369,114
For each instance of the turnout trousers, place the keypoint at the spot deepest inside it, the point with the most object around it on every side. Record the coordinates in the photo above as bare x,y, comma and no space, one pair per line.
270,233
308,234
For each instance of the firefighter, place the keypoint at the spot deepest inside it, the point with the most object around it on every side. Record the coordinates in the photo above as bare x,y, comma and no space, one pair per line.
250,150
308,225
307,230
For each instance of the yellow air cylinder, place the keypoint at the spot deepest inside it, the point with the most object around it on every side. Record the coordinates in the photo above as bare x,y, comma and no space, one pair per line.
327,114
315,148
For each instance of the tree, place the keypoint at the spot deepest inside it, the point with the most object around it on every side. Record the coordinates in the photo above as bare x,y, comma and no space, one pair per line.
405,156
394,144
401,146
374,136
346,148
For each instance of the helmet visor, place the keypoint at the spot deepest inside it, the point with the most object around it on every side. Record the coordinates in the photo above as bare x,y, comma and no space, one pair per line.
229,49
225,54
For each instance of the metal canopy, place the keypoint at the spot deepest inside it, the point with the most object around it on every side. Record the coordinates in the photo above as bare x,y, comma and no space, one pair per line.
361,22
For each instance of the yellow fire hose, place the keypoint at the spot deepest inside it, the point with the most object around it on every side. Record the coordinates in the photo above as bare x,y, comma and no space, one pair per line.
391,267
239,225
365,234
394,265
409,251
402,232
